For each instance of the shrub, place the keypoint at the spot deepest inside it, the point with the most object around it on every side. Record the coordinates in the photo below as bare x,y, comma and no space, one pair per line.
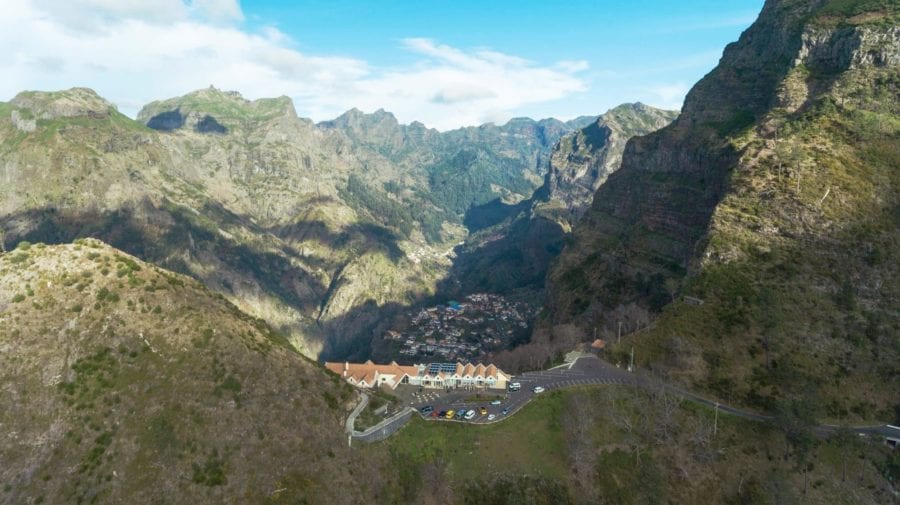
18,298
18,258
211,472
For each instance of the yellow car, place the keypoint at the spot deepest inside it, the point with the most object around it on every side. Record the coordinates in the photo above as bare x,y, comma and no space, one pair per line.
450,414
483,411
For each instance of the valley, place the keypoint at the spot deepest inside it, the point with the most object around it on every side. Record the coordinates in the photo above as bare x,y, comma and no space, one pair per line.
198,302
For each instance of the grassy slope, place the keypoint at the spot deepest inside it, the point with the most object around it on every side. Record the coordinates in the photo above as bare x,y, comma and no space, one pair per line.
125,383
615,445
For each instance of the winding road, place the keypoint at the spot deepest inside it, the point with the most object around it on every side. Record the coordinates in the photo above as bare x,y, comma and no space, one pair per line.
586,371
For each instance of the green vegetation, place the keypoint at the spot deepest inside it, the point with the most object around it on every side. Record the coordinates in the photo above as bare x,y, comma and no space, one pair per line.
850,8
458,446
229,109
776,258
616,445
105,295
401,216
378,399
210,472
17,258
138,408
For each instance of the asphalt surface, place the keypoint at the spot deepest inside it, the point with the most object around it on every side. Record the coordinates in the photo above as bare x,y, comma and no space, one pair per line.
583,372
590,370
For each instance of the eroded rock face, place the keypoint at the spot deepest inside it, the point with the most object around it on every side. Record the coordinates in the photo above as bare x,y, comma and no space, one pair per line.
23,123
654,210
735,204
849,47
582,161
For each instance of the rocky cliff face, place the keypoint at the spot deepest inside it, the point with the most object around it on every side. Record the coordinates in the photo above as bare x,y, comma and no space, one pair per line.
515,243
761,205
582,160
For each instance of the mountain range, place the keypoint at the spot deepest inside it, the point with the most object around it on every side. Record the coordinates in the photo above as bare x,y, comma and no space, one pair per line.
315,228
165,281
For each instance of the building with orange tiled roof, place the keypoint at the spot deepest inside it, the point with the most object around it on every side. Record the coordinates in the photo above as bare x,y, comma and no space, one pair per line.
369,374
432,375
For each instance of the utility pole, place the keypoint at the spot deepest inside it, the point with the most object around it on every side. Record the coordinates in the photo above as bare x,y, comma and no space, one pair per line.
631,364
620,332
716,423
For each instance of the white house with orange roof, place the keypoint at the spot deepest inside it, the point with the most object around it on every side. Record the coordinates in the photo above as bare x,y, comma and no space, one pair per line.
432,375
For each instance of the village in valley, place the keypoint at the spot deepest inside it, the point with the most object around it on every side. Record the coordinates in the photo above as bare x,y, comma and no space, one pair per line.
467,330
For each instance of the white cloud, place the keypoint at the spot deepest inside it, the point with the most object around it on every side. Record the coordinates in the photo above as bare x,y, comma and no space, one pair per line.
667,96
135,51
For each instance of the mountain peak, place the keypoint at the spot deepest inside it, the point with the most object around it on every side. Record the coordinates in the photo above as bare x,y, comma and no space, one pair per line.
72,102
228,109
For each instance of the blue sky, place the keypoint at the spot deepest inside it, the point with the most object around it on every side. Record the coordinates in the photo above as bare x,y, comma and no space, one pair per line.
446,63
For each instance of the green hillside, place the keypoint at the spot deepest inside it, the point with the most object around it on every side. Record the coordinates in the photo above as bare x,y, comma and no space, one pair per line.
142,386
772,201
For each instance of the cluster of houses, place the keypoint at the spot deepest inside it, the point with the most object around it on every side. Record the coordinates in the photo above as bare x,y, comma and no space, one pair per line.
432,375
461,331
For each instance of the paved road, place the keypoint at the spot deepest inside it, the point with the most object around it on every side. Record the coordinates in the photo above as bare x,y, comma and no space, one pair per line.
590,370
583,372
385,428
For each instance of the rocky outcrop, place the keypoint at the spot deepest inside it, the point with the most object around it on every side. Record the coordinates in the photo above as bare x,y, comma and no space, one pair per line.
75,102
582,161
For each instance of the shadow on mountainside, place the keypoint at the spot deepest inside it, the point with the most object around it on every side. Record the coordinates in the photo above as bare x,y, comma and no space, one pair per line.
168,236
364,237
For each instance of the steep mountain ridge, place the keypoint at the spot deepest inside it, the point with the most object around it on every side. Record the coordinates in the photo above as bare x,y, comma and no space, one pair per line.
760,205
583,160
122,382
513,245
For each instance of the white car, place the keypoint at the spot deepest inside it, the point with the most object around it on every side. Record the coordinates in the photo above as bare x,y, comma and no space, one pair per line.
491,417
470,414
538,389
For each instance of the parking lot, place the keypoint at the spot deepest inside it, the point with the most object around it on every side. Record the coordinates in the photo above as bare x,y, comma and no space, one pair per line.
583,372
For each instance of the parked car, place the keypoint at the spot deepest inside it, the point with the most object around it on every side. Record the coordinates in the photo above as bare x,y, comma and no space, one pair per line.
483,411
434,413
450,414
496,402
538,389
426,410
470,414
515,386
491,417
504,411
442,413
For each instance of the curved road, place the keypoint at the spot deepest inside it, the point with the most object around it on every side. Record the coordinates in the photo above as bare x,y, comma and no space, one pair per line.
590,370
